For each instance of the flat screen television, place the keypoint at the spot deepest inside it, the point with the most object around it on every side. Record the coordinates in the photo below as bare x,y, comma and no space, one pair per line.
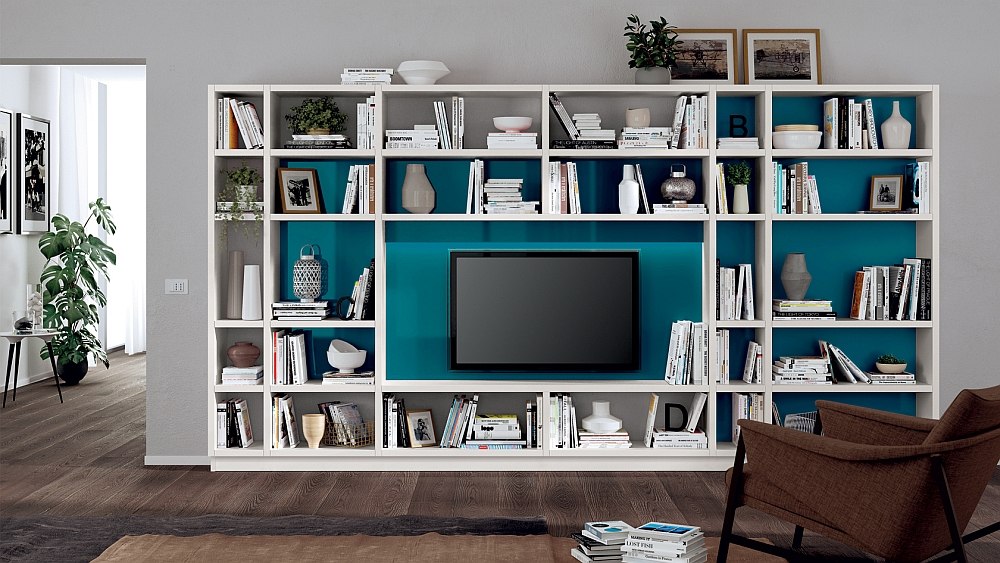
544,310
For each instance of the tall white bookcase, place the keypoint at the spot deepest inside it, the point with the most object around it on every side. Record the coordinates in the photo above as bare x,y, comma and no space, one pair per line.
837,243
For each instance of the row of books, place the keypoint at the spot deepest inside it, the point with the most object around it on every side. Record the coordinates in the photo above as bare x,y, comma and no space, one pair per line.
291,358
917,178
689,129
748,406
690,436
237,119
848,124
345,420
899,292
300,311
795,191
654,542
734,292
562,422
233,428
232,375
359,195
753,365
367,76
802,310
284,424
721,195
687,354
366,123
453,136
396,430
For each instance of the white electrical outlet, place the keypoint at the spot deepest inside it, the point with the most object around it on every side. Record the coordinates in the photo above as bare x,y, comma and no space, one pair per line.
176,287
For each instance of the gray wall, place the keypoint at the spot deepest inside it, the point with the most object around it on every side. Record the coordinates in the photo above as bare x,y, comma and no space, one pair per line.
190,44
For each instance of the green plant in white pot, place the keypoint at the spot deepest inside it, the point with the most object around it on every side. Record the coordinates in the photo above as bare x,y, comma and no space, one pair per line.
74,261
887,363
652,50
238,203
316,116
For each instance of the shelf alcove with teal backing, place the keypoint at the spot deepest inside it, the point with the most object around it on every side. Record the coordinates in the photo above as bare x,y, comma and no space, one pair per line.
450,178
346,249
727,106
809,110
332,176
671,258
318,341
845,184
599,179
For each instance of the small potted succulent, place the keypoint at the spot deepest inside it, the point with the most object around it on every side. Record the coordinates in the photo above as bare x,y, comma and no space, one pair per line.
316,116
652,49
887,363
237,199
739,176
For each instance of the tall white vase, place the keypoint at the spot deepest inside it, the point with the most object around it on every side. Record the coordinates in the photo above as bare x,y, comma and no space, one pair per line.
896,130
251,293
741,200
628,192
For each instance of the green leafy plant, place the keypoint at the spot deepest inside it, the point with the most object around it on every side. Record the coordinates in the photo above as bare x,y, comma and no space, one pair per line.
738,173
316,113
889,359
653,46
73,260
237,198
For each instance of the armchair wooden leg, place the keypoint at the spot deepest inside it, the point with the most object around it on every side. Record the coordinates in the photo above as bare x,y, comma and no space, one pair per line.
949,509
797,538
735,493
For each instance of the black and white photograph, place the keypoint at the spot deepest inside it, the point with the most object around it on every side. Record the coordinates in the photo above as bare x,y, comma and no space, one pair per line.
781,56
299,190
7,180
421,428
886,192
706,56
33,160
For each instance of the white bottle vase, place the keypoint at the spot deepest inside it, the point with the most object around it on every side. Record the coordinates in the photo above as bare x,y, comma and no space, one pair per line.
602,421
741,201
251,293
628,192
896,130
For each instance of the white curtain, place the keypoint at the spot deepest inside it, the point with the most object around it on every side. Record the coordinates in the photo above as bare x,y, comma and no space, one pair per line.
77,111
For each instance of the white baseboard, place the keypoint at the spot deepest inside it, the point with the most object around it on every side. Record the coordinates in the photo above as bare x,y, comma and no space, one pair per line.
23,380
176,460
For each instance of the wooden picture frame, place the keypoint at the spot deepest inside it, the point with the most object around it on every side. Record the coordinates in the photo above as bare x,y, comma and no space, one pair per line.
420,426
34,193
299,190
886,194
782,56
705,56
8,180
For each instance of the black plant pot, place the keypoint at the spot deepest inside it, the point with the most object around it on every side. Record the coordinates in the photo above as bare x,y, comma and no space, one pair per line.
73,372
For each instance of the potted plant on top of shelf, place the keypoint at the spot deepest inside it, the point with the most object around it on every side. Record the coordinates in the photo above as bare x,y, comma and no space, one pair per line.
653,49
316,116
237,204
739,176
73,261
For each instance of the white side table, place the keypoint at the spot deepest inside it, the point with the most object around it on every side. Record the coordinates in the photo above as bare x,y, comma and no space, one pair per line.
14,358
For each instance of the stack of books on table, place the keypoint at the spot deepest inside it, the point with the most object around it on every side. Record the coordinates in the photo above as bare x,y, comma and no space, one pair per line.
603,440
809,370
739,143
504,195
354,378
680,439
803,310
679,208
420,137
318,142
901,378
645,138
253,375
665,543
300,311
366,76
512,141
601,541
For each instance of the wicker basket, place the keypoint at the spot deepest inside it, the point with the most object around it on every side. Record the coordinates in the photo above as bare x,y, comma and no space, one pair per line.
803,421
349,435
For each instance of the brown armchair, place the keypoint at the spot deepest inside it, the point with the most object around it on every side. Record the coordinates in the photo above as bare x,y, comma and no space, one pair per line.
897,486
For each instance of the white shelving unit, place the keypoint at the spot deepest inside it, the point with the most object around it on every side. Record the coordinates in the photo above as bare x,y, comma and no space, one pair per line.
272,101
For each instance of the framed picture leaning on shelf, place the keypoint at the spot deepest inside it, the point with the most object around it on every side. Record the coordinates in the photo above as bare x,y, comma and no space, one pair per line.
886,193
7,178
781,56
33,151
421,428
705,56
299,188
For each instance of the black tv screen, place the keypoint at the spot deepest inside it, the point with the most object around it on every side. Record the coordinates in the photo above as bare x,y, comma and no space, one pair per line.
544,310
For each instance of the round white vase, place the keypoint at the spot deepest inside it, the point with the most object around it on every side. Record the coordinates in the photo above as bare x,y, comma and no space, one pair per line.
896,130
601,422
628,192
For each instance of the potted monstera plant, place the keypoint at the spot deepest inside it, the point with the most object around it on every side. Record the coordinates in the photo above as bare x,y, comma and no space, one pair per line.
75,259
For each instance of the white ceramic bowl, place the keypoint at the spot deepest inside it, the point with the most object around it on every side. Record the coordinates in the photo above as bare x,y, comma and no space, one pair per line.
422,72
345,357
796,139
512,124
890,368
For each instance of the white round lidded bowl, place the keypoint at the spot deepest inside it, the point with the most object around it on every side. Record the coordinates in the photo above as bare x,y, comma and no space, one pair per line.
796,139
512,124
422,72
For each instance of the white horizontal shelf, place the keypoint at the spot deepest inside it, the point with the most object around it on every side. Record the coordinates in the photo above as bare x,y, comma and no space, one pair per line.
471,90
239,388
875,90
546,217
851,388
242,153
739,386
637,450
877,217
539,386
328,323
313,89
740,324
222,90
323,153
303,450
434,451
461,153
739,153
851,323
851,153
255,450
755,217
322,217
730,90
629,153
316,386
236,323
618,89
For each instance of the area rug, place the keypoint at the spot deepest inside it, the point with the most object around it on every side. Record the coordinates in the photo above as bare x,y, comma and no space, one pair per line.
70,539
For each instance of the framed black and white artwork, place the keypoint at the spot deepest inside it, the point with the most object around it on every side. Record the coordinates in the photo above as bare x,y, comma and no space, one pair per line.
34,186
299,188
8,180
781,56
706,56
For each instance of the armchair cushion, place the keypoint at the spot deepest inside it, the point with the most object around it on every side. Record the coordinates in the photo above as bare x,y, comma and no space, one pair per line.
863,425
973,412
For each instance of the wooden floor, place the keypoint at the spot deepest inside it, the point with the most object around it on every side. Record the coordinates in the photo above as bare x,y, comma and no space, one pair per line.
84,458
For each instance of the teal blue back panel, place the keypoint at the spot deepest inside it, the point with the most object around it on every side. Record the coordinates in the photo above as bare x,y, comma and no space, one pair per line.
835,250
736,105
346,248
795,110
753,188
599,179
845,185
332,176
736,244
450,179
318,341
862,345
417,258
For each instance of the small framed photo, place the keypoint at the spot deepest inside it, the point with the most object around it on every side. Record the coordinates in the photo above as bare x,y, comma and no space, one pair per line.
8,222
886,193
33,151
781,56
706,56
299,190
421,428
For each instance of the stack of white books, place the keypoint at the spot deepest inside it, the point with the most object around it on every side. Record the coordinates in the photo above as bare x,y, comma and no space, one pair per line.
589,126
504,195
253,375
679,208
361,75
601,541
604,440
645,137
512,141
803,310
670,543
679,439
420,137
810,370
739,143
300,311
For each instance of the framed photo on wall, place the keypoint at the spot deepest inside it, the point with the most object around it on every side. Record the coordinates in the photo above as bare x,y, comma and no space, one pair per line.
8,180
299,188
886,194
34,190
421,428
781,56
706,56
